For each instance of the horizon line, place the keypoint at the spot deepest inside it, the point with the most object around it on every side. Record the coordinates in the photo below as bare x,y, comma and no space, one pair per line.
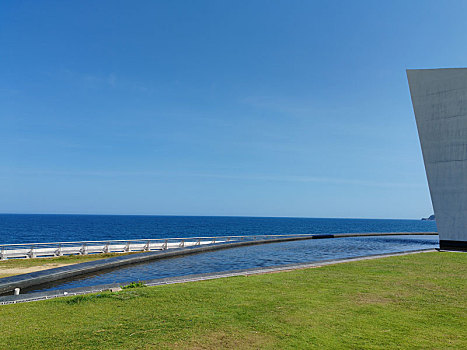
225,216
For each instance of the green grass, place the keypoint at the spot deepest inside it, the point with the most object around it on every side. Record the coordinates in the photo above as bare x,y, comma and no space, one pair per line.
406,302
134,285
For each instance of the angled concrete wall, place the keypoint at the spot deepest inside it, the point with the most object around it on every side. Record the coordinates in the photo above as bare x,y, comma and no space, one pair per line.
439,98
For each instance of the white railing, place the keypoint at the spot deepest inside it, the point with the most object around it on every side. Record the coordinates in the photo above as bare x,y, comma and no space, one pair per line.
51,249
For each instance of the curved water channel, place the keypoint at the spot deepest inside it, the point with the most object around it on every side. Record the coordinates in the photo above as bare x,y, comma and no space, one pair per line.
265,255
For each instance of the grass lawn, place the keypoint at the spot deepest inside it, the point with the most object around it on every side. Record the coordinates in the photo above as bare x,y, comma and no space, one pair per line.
17,266
413,301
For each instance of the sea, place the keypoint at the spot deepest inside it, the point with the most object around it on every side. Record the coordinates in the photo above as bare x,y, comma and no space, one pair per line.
40,228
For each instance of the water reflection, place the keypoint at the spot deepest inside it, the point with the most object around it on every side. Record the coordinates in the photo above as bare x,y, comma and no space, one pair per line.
254,256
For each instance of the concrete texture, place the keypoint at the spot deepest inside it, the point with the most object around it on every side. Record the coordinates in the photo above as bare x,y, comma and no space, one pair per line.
439,98
27,280
52,249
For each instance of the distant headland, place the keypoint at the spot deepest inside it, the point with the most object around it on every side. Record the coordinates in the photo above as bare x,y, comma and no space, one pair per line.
430,218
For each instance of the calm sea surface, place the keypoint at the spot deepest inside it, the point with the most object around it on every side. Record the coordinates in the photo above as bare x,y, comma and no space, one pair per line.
52,228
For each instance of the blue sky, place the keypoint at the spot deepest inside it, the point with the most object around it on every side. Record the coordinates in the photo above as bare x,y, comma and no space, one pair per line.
258,108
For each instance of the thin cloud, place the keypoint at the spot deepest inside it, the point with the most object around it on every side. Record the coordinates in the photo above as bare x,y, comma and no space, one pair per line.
110,80
248,177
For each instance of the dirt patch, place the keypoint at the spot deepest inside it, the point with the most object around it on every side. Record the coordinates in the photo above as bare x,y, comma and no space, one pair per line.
11,271
223,340
371,298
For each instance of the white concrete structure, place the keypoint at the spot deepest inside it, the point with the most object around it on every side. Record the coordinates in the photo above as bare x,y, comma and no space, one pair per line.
51,249
439,98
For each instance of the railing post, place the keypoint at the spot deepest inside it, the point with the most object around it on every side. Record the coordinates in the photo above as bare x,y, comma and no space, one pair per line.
146,246
31,253
83,251
164,245
58,252
127,247
2,254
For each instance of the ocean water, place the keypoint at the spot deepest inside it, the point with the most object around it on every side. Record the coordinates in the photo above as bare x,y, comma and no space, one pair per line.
20,228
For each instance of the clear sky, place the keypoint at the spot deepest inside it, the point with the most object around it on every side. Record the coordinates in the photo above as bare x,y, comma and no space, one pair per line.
258,108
